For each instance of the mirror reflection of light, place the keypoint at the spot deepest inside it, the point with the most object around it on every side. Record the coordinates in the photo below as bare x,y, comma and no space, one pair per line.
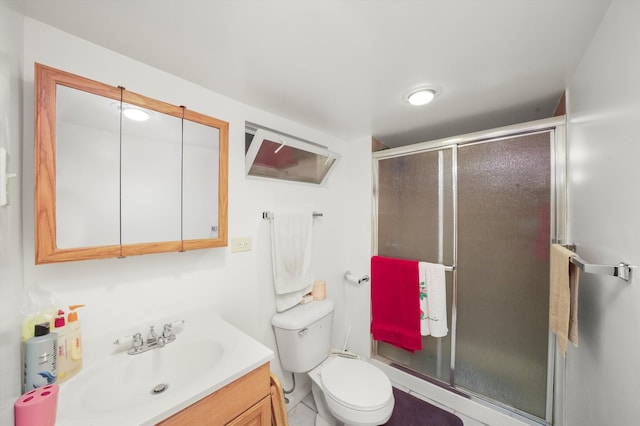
136,114
283,143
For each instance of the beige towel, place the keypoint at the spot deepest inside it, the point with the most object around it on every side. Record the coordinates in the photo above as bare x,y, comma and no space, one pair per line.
563,302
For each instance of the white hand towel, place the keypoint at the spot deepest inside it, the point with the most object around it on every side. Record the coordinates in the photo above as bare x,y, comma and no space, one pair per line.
291,243
433,300
425,330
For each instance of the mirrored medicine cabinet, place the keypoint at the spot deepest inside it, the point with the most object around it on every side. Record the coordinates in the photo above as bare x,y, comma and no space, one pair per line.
120,174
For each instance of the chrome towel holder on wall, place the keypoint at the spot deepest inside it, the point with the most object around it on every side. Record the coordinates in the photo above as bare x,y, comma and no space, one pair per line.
353,279
622,270
269,215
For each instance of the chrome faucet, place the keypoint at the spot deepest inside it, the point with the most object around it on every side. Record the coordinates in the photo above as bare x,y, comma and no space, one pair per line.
152,337
153,341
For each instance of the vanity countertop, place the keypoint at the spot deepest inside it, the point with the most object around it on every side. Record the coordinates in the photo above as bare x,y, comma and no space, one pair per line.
117,388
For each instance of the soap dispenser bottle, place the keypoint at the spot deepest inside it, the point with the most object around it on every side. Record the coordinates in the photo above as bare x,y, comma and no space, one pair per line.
40,358
62,354
75,341
28,326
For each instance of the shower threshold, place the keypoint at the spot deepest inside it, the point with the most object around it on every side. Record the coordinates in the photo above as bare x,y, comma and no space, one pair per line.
457,399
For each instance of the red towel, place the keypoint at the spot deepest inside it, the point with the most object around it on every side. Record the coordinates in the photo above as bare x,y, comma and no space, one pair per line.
395,302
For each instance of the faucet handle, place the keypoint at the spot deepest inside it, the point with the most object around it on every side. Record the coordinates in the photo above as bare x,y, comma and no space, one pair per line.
175,324
167,331
134,339
137,341
168,328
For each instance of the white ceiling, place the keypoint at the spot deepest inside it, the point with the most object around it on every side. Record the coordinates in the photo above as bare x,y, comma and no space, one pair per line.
342,66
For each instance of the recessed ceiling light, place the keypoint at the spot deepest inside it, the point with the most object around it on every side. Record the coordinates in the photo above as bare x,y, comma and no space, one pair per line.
421,95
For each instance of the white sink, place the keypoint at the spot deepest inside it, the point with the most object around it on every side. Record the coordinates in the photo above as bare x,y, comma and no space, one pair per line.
122,381
119,388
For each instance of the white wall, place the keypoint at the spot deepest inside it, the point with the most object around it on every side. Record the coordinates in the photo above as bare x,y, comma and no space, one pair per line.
132,292
604,217
10,216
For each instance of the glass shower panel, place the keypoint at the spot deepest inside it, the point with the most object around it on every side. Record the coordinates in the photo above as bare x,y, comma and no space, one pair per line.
415,221
434,360
503,270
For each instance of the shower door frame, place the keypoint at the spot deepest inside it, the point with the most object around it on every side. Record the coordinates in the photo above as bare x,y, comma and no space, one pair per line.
556,126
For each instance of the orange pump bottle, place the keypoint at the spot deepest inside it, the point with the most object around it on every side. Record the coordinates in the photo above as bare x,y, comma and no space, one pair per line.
75,341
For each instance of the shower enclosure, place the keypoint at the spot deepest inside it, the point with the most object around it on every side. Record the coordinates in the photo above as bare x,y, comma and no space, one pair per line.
488,205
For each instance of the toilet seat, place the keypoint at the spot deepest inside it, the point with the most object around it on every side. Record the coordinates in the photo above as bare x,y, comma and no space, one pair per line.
357,392
356,384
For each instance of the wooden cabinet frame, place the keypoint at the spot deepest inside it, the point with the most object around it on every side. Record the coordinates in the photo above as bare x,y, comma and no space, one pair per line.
46,250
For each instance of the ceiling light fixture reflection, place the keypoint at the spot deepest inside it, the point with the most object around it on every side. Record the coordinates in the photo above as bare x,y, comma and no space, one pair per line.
132,112
282,144
136,114
421,95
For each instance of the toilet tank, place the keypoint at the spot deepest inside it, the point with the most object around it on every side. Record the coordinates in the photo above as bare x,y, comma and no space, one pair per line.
303,335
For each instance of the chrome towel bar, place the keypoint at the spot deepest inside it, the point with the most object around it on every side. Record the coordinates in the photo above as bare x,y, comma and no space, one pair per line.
622,270
269,215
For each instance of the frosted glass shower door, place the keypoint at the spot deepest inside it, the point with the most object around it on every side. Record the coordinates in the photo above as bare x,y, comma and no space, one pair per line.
415,221
488,205
503,270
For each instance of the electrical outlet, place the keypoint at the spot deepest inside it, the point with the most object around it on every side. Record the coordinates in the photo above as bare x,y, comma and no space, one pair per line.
240,244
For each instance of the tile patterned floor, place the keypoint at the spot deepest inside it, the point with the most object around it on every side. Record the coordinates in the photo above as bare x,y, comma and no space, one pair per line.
304,413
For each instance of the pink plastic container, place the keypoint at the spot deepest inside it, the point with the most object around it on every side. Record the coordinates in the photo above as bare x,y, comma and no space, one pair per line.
37,407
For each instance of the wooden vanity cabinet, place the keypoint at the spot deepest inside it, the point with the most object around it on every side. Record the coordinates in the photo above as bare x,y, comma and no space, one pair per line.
244,402
258,415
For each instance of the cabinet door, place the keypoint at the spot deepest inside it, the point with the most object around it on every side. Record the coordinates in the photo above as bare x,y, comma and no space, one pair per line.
200,181
151,177
87,172
230,404
204,181
258,415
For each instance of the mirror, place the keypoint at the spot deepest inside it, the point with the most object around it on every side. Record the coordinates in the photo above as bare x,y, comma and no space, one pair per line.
201,151
154,190
110,184
88,145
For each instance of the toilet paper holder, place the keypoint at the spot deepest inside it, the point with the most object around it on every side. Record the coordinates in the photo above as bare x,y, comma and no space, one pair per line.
353,279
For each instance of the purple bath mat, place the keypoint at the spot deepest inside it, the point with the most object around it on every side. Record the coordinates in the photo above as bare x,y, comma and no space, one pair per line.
412,411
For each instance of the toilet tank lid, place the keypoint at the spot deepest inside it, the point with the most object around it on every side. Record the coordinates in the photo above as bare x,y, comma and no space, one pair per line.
300,316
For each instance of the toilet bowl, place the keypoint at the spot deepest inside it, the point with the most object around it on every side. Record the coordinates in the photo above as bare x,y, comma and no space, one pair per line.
346,391
351,392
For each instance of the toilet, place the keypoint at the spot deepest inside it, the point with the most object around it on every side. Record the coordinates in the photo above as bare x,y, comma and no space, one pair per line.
346,391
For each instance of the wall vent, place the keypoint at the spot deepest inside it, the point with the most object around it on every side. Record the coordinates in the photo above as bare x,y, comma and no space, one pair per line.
274,155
